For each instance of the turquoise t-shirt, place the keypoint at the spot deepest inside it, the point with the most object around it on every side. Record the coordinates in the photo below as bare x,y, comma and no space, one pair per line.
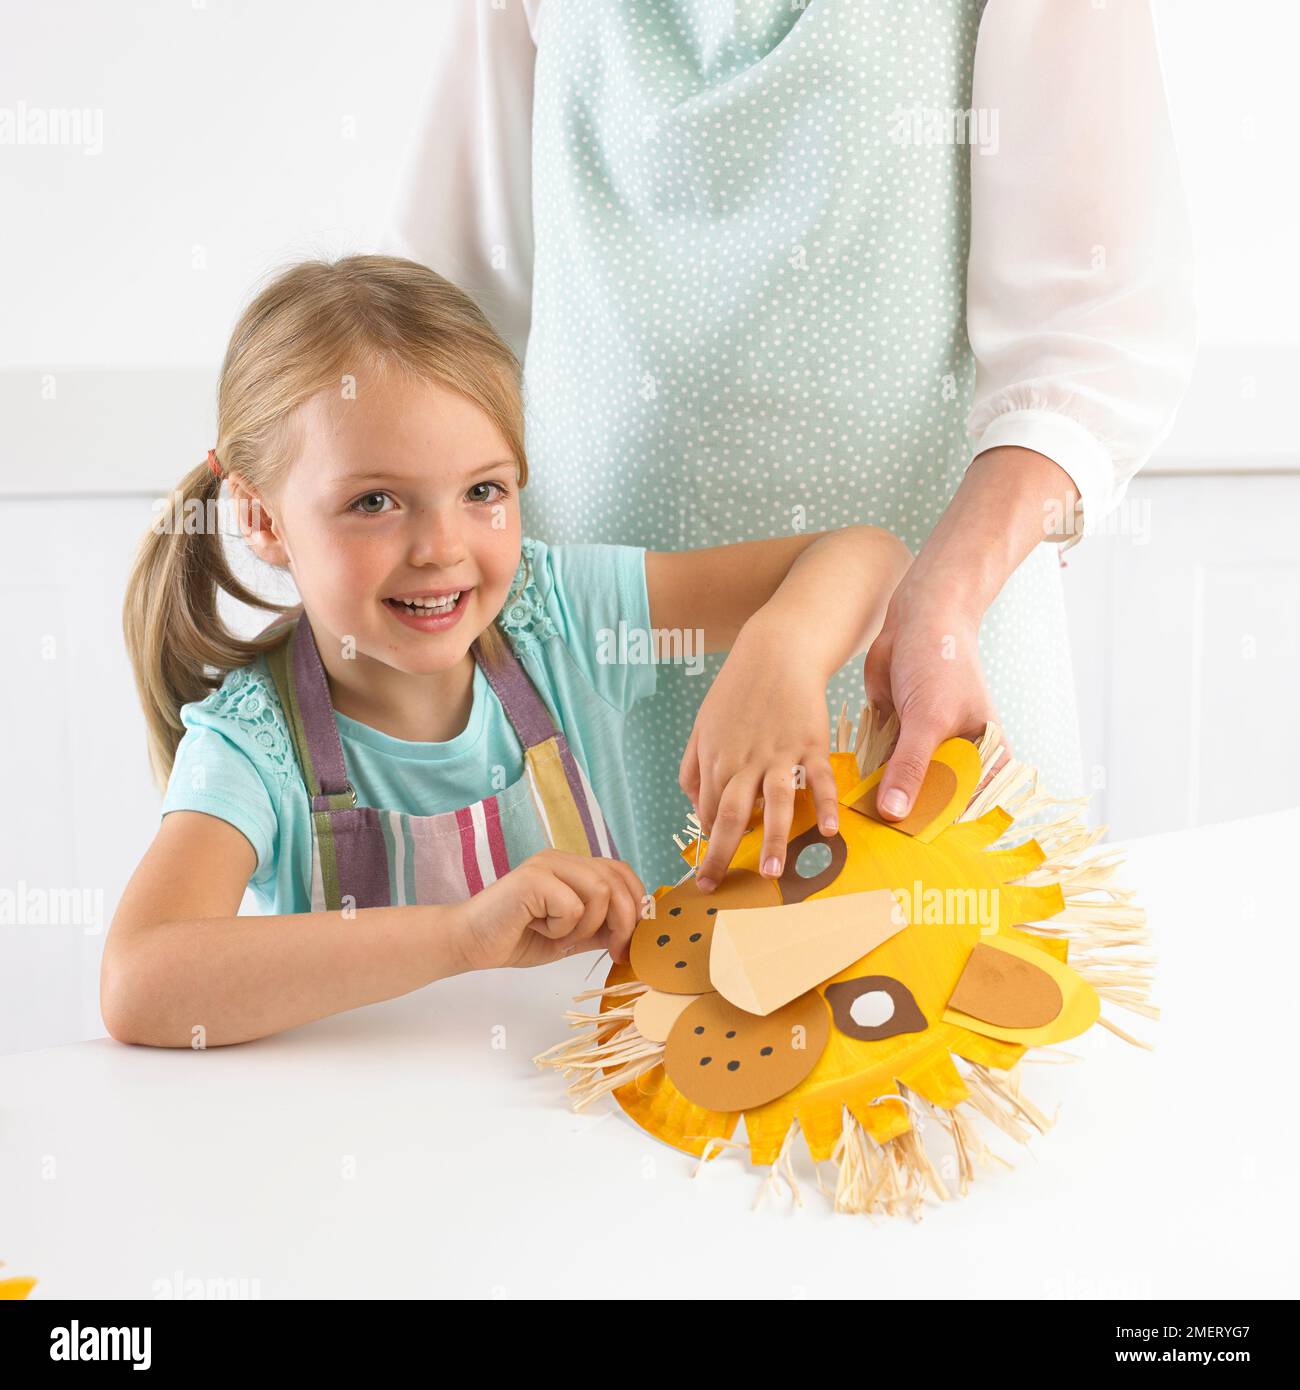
236,759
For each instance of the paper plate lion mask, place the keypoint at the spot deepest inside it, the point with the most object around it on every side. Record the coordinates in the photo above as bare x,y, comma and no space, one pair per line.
838,1000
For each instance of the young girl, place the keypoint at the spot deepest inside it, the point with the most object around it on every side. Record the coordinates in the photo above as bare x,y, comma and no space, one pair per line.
418,769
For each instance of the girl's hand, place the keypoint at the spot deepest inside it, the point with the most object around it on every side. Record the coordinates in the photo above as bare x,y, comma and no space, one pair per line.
552,905
925,665
762,730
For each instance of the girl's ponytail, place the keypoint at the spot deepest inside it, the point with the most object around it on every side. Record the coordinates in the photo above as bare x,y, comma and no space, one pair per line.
179,647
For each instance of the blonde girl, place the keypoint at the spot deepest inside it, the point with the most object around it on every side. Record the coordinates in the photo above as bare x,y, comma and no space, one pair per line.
418,768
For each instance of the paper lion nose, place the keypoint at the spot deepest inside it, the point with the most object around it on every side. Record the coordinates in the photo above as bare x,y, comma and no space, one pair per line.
763,957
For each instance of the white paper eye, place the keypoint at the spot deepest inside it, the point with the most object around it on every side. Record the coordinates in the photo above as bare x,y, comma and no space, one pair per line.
872,1009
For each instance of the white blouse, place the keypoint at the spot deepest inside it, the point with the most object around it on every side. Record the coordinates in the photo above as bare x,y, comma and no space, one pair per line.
1079,300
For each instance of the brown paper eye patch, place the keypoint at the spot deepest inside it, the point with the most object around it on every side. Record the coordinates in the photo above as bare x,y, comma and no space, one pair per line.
873,1007
794,887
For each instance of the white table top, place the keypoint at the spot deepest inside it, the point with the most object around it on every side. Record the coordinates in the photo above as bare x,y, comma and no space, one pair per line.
397,1152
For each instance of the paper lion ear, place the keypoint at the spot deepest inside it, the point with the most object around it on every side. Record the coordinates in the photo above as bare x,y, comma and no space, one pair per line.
949,784
1018,993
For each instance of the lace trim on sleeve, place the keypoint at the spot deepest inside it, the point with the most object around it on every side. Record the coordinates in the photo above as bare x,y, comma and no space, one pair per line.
524,618
248,698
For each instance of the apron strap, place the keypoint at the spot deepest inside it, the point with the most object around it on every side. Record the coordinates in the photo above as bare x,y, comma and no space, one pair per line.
297,667
528,716
565,801
304,692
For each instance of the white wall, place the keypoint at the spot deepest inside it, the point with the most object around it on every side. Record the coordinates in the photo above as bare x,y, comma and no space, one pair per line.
236,137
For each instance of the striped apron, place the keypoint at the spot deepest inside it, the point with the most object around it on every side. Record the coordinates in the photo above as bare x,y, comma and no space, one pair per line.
363,856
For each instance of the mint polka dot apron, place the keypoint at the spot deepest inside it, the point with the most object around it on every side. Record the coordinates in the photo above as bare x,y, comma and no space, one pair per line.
363,856
749,317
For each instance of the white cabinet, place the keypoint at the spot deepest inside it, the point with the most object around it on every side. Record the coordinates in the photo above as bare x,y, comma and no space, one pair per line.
79,808
79,805
1186,644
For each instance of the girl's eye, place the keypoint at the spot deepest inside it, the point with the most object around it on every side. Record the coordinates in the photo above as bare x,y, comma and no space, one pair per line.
475,493
358,505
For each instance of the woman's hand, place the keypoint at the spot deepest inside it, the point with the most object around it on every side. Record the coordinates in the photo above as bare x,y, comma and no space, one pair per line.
762,730
925,666
552,905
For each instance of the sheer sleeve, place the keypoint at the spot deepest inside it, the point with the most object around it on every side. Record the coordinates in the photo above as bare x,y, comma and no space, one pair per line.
1079,286
465,203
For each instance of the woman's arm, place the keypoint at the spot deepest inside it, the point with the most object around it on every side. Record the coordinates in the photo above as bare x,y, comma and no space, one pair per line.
925,664
1079,292
791,611
1081,317
464,207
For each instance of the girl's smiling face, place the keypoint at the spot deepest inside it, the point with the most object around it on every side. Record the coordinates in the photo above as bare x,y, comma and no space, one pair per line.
409,489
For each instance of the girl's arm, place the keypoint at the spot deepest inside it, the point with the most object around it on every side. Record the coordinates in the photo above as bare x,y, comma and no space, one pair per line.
180,969
718,590
792,611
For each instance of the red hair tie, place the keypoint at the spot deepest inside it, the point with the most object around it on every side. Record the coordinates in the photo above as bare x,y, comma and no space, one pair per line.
213,463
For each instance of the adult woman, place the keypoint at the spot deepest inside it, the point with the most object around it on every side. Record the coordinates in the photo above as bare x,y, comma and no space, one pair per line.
919,263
